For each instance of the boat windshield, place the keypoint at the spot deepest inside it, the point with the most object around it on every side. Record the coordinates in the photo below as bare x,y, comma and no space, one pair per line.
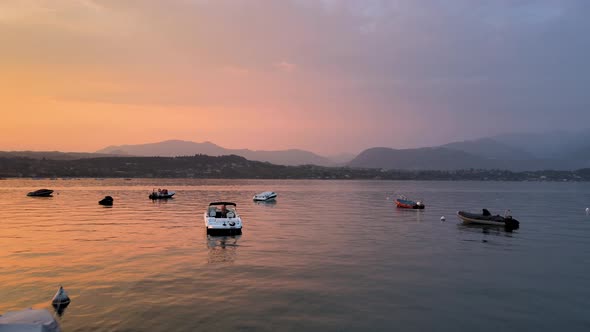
222,211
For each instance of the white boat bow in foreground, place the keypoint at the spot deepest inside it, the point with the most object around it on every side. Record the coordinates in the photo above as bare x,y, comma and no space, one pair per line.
28,320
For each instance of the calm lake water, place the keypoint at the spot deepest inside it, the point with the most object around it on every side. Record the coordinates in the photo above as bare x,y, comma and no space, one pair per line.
328,256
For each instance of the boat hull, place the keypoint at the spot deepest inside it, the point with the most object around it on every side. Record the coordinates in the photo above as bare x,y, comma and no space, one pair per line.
408,205
41,193
261,198
223,226
215,231
151,196
264,200
469,218
480,222
107,201
29,320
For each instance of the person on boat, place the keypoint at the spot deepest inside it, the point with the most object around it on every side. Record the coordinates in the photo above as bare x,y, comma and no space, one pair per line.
223,211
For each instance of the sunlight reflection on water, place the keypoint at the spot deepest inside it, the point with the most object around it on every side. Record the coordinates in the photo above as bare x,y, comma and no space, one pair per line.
328,255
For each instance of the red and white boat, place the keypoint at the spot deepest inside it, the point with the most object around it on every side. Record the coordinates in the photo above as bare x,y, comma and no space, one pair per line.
403,202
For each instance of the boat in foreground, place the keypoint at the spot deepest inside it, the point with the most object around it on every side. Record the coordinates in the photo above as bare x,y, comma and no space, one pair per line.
265,196
222,218
486,218
403,202
161,194
28,320
41,193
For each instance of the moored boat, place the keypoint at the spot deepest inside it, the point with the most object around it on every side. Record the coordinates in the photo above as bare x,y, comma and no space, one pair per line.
41,193
222,218
486,218
265,196
106,201
403,202
28,320
161,194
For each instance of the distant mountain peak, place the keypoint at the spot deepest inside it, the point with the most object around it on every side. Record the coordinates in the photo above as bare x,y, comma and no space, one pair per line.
428,158
490,148
172,148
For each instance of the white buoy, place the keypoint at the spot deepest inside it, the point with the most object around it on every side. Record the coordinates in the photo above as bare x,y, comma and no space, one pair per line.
587,211
443,218
61,297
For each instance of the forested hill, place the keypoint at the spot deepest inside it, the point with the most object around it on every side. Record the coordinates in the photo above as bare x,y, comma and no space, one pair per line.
234,167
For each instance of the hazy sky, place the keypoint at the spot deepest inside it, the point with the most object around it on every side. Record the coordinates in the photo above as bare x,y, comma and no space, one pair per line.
328,76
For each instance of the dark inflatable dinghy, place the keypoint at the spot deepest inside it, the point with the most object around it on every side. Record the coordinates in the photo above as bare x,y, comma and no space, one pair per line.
486,218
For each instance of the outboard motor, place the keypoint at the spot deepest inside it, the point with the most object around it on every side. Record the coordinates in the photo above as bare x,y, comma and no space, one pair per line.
511,223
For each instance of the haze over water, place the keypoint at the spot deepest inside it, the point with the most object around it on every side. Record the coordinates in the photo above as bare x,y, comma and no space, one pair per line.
329,255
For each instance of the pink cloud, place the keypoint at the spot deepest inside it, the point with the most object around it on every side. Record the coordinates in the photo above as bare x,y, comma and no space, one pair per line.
285,66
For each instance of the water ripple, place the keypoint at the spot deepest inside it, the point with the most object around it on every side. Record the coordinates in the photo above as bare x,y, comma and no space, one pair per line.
328,255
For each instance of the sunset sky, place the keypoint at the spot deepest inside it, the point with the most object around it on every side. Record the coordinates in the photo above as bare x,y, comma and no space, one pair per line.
327,76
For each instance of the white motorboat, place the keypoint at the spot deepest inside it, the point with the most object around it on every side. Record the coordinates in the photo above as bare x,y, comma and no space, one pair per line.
222,218
265,196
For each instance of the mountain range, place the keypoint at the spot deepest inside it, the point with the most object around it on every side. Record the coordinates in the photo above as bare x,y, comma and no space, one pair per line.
515,152
54,155
174,148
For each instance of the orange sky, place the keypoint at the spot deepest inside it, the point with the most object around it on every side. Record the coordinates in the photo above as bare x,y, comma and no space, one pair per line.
87,75
326,76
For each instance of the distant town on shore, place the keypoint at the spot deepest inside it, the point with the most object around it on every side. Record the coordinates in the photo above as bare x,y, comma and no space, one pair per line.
237,167
559,156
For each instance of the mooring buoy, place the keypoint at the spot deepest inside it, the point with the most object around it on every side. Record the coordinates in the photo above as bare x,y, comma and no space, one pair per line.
61,297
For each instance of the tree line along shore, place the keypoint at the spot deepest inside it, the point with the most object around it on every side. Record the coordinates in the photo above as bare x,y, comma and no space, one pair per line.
236,167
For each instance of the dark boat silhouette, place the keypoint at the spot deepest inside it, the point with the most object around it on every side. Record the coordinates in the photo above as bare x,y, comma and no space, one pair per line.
41,193
486,218
106,201
161,194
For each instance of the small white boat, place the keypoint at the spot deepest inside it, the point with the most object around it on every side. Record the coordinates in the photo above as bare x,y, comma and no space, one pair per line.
265,196
222,218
